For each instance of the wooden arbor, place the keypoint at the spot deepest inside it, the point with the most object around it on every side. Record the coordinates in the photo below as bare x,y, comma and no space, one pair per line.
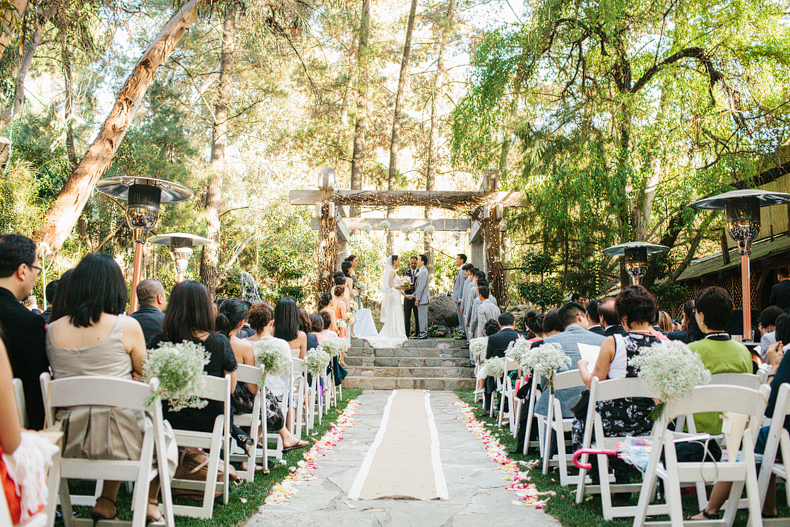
484,207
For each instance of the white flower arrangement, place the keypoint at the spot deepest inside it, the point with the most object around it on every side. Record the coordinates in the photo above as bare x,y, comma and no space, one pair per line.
351,317
317,360
546,360
495,366
404,281
341,324
384,225
407,229
517,349
367,228
362,287
670,370
478,348
429,229
273,357
180,370
334,346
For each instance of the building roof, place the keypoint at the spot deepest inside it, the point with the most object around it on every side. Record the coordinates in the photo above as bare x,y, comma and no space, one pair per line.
713,264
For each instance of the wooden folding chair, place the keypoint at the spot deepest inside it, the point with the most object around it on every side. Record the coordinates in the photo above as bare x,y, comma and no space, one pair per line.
738,468
251,375
217,442
119,393
557,425
595,438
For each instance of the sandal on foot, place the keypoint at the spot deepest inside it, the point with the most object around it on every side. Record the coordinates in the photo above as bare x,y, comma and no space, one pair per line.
298,446
150,519
708,516
98,517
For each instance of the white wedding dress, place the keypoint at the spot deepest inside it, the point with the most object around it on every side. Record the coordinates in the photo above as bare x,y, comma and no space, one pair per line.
393,332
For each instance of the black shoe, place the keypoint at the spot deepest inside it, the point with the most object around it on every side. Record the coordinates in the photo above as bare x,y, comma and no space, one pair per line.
423,337
460,338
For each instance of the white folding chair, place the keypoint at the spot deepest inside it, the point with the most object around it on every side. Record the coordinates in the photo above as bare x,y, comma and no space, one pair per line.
557,425
21,406
508,393
119,393
738,468
251,375
38,520
595,438
778,441
298,396
218,442
534,395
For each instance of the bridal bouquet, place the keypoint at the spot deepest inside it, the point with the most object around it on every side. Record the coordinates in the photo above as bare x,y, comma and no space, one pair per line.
517,349
334,346
546,360
478,348
671,371
495,366
341,324
179,368
316,361
273,357
404,281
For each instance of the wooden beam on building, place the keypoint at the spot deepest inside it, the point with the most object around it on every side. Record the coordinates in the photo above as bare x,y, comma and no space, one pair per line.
476,234
446,199
397,224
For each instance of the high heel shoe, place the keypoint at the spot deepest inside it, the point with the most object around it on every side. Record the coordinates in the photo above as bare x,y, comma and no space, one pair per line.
98,517
151,519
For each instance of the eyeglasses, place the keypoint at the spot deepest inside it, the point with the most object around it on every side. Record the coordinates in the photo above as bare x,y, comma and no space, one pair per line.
37,268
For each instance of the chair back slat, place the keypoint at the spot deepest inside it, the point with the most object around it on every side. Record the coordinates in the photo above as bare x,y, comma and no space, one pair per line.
612,389
720,398
87,390
216,389
747,380
21,406
250,374
567,379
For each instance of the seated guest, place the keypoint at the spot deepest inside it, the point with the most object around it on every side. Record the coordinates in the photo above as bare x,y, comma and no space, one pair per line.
327,333
317,321
664,322
608,314
574,320
780,293
286,327
96,338
23,330
497,345
720,354
246,331
49,294
59,300
552,325
630,416
594,318
152,298
767,327
486,310
306,327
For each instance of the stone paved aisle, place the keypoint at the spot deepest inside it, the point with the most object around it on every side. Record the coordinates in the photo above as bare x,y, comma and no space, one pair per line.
476,486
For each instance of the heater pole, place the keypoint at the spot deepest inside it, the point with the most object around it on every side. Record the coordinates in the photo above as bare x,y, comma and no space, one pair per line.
746,286
138,264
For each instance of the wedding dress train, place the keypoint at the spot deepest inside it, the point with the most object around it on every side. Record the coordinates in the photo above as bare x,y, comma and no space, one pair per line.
393,332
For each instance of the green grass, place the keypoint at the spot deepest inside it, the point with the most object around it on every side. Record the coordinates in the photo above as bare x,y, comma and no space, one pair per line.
563,506
236,512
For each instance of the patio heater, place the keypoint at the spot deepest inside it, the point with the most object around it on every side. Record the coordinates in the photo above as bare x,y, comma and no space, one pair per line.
635,254
143,196
743,225
180,248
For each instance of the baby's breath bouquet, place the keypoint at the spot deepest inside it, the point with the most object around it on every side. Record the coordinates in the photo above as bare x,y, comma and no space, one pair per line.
478,348
179,368
517,349
317,360
546,360
334,347
671,371
273,357
495,366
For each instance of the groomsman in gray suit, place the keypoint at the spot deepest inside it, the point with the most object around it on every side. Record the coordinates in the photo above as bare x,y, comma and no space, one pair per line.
470,293
485,311
458,287
421,295
474,331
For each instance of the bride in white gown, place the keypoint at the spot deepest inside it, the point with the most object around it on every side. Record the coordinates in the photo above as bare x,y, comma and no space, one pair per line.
393,332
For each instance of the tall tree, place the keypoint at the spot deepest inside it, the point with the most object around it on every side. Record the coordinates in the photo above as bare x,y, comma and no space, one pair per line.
67,207
396,115
11,15
209,262
358,157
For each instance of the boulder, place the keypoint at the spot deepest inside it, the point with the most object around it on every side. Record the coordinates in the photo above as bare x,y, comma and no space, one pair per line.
442,313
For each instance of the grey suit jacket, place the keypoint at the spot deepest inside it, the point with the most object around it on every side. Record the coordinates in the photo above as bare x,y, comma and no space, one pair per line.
421,287
458,286
569,340
472,315
485,310
470,293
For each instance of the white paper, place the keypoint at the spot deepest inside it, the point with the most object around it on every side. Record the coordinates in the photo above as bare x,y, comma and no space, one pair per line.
590,354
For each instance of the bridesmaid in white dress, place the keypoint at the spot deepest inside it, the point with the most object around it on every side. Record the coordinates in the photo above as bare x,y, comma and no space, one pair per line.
393,332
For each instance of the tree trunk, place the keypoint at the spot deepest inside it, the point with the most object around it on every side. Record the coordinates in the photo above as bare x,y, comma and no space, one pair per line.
396,117
62,215
24,67
358,158
209,263
433,140
69,106
6,15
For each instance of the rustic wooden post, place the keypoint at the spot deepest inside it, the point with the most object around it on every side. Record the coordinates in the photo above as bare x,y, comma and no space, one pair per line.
327,246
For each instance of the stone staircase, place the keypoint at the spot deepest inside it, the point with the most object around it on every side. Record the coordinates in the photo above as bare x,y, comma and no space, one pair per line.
419,364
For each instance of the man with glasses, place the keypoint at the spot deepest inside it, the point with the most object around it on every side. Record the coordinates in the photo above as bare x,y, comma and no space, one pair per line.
23,330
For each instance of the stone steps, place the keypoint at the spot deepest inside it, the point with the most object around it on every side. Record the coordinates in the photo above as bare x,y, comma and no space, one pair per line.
428,364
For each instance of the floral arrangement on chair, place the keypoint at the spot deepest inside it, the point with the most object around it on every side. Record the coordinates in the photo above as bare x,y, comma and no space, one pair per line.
334,346
273,357
316,361
495,366
671,371
180,370
478,348
517,349
546,360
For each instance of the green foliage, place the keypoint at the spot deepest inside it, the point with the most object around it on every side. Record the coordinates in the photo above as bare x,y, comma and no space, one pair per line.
669,294
544,294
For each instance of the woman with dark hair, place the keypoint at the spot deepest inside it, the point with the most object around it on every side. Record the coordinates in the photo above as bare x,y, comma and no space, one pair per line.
341,308
552,324
90,335
59,301
286,327
636,308
325,305
261,319
534,323
327,332
307,327
190,317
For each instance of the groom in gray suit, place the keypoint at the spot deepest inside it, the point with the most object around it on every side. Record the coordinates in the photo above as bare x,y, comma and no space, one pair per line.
421,296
